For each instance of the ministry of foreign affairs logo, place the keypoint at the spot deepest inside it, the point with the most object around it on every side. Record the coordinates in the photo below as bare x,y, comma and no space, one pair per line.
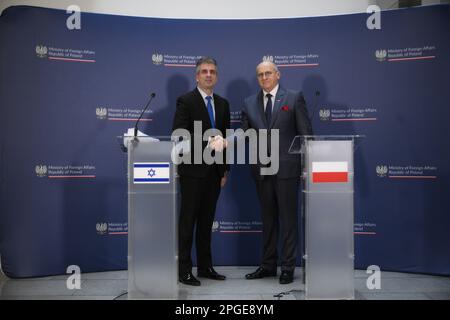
41,170
267,58
101,227
101,113
382,171
324,114
381,55
157,58
215,226
41,51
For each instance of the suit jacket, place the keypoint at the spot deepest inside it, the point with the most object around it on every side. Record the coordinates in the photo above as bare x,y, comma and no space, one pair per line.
289,116
191,107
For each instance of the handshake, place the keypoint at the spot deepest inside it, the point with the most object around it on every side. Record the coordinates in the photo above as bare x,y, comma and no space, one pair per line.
217,143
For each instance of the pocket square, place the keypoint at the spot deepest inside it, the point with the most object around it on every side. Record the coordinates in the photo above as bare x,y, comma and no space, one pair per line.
285,108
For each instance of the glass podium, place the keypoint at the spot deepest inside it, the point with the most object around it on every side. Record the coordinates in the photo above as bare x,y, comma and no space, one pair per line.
152,208
327,214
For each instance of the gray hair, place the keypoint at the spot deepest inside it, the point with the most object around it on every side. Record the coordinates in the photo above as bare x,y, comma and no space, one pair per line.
202,60
274,66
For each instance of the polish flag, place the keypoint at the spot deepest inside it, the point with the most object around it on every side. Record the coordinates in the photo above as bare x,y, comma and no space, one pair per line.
330,172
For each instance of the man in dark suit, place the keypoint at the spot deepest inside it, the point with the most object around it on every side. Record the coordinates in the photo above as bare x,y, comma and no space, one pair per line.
275,108
200,183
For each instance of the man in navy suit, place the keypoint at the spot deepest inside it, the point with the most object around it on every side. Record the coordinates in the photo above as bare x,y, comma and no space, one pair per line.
200,183
275,108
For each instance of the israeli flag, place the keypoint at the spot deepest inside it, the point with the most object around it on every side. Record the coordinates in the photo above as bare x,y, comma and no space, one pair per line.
151,172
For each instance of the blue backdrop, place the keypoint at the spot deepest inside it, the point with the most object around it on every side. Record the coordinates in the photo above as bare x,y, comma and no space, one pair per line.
65,96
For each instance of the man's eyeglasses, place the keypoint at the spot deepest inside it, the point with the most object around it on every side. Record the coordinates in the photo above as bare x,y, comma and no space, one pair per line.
266,74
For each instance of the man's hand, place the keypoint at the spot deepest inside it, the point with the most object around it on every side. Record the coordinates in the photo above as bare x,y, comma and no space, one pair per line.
218,143
223,181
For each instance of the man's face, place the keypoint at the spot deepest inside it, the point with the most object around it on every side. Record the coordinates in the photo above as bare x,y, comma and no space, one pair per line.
206,76
267,76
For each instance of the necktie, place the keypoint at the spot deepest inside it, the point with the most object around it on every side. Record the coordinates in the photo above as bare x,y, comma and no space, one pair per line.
210,111
268,108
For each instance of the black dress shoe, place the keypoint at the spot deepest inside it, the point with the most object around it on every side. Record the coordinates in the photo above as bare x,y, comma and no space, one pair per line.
210,273
286,277
189,279
261,273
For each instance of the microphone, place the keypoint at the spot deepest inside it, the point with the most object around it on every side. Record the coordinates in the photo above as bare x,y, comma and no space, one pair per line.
317,94
137,122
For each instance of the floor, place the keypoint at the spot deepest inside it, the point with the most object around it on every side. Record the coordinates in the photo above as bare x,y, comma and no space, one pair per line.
113,285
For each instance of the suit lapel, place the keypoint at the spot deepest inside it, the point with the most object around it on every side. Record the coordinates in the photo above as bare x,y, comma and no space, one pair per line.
260,108
277,105
219,114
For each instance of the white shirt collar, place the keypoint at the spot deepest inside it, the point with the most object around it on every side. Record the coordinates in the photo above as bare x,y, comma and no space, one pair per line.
273,92
204,95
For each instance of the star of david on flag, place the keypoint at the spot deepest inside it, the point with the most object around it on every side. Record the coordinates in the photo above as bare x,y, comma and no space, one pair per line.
151,172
